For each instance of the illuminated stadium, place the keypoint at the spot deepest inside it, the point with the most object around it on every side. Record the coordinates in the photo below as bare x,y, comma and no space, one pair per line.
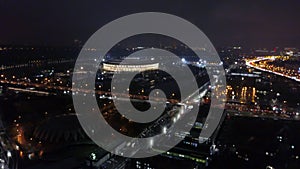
130,65
129,68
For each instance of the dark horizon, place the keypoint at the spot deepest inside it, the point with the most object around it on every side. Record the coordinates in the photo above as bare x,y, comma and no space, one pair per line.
249,24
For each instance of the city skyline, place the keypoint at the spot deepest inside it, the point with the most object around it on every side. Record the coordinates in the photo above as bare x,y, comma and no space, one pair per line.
149,84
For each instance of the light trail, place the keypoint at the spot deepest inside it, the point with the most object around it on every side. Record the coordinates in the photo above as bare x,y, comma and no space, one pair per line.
250,64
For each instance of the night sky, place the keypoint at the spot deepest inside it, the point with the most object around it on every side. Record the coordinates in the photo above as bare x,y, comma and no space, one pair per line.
250,23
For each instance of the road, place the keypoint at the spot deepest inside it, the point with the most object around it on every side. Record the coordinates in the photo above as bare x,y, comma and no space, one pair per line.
251,62
131,146
7,158
46,89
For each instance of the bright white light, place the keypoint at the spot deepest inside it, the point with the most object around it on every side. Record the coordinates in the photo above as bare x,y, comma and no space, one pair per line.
178,116
9,154
151,143
165,130
93,156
